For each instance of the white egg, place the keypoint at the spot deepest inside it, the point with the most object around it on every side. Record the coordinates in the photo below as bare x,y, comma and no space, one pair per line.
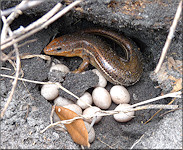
59,127
60,67
87,98
90,111
122,116
119,94
55,117
101,98
91,134
75,108
60,101
49,91
102,81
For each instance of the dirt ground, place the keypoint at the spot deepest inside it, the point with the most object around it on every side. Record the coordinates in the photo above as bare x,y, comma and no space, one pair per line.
29,113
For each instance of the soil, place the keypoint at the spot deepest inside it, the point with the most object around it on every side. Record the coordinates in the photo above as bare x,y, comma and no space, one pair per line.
29,113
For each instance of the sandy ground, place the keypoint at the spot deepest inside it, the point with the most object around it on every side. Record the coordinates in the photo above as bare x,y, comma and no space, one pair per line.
28,112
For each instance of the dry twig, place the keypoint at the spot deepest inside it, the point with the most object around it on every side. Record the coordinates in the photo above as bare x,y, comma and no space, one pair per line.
21,31
9,20
169,38
27,56
21,34
107,113
174,94
38,82
4,68
160,110
105,143
34,25
14,83
26,4
137,142
41,26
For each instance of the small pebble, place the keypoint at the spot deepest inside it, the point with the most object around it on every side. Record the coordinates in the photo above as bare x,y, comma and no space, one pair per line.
91,134
102,81
55,136
119,94
49,91
60,67
101,98
75,108
87,98
91,111
60,101
123,117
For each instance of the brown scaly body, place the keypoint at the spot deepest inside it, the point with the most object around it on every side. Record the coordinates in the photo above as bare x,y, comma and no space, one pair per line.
99,54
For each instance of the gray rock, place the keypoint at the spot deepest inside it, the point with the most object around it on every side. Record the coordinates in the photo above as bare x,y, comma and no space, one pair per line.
78,83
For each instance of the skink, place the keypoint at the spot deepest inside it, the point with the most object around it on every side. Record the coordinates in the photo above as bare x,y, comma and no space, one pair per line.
98,53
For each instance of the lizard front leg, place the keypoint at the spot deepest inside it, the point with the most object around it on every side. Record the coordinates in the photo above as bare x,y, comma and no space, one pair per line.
83,65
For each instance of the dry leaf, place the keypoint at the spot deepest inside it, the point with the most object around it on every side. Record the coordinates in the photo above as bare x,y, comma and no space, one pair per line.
170,75
76,129
177,85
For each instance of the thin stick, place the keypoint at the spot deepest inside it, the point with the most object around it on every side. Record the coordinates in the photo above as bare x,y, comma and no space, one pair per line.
4,29
169,111
35,24
14,83
38,82
125,110
101,113
16,13
28,4
92,123
55,17
27,42
159,111
51,115
106,113
169,38
10,61
9,20
174,94
5,57
9,56
27,56
22,79
159,106
105,143
4,68
61,122
137,142
64,89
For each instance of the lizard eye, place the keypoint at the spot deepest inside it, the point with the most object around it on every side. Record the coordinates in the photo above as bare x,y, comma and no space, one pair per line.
59,49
